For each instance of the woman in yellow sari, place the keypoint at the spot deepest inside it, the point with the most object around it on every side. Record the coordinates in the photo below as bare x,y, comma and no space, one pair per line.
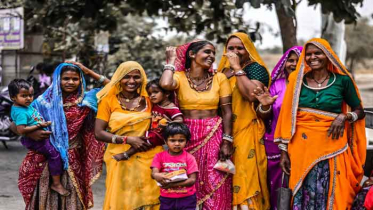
321,131
124,114
245,69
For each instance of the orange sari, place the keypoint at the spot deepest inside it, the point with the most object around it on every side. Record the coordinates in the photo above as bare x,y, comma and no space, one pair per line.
305,132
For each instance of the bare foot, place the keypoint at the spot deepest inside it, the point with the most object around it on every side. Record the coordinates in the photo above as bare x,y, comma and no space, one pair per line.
119,157
60,189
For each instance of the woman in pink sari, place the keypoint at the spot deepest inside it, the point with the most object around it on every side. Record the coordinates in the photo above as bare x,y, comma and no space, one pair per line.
200,92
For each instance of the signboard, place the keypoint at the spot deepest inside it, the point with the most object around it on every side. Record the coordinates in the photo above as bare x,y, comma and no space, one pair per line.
11,29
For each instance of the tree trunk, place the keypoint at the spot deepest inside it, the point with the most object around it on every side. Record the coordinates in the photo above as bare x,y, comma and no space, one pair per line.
287,29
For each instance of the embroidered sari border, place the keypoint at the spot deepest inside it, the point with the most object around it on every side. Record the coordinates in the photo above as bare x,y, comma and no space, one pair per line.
317,111
325,157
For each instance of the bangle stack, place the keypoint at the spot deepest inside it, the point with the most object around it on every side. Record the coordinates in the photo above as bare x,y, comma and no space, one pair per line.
239,73
283,147
228,137
260,108
169,67
101,79
114,139
354,116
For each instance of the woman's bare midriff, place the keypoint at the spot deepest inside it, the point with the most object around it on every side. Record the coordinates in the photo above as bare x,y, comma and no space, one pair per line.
199,114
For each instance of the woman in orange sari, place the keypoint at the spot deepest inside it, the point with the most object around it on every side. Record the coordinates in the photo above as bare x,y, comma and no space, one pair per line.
321,132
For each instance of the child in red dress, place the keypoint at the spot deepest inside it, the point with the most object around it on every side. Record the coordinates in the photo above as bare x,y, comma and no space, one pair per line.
163,112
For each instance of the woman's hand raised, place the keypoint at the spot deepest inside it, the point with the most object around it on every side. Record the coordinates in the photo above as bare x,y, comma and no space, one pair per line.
263,96
171,55
234,61
139,143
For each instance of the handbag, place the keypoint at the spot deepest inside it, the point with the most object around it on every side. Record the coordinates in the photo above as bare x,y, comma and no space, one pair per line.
284,194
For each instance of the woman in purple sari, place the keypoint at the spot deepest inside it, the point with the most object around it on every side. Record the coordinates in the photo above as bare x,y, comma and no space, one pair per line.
280,74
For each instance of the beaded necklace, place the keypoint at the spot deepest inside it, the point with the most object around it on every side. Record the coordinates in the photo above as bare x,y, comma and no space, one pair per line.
123,105
194,86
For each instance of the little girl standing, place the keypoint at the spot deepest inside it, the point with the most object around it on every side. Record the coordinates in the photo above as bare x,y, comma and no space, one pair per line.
176,161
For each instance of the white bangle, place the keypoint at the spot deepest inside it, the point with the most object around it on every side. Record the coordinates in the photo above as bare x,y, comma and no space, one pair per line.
101,79
228,137
169,67
114,139
262,111
283,147
354,116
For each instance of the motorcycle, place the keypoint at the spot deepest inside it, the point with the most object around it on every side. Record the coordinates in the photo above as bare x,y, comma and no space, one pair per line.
5,105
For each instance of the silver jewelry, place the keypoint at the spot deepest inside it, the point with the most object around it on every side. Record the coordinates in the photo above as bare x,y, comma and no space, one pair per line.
240,73
320,88
354,116
101,79
260,108
114,139
169,67
126,157
228,137
283,147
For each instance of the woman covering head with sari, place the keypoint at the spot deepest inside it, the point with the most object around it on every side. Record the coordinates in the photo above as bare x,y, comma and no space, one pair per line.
245,69
200,92
321,131
124,115
71,110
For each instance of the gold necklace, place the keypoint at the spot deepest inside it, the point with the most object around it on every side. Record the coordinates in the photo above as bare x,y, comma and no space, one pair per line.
194,86
77,101
123,105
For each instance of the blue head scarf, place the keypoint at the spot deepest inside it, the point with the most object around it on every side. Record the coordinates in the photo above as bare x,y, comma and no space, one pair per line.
50,106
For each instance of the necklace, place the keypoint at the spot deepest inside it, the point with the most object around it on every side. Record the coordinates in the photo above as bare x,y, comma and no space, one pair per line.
319,84
123,105
70,104
320,88
194,86
127,99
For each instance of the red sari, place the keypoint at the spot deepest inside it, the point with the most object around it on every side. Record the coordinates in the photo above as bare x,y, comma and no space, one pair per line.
85,165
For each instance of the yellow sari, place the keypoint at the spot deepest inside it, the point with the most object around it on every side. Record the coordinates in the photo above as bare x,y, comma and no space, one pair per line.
128,183
250,181
305,132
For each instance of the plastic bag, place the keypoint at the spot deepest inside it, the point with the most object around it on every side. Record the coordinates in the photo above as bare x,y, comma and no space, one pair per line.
176,176
226,166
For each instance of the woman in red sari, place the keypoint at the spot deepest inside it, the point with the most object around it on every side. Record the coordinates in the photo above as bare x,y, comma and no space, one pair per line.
72,111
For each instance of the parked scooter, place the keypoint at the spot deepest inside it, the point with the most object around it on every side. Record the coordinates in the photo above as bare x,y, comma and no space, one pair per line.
5,105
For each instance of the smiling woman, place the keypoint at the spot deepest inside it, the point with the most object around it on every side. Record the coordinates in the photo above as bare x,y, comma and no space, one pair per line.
200,92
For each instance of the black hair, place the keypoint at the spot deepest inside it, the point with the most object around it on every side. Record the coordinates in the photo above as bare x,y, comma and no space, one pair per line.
155,82
194,47
174,128
70,68
16,85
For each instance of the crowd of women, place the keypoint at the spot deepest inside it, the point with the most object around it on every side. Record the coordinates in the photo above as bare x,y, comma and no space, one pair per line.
305,119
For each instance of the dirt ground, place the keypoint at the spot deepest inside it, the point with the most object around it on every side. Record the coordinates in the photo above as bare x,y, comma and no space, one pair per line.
10,197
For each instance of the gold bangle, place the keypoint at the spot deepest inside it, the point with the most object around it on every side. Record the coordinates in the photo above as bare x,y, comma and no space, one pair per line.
225,104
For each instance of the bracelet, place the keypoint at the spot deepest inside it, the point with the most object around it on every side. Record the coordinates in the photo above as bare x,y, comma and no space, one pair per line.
101,79
262,111
354,116
240,73
228,137
225,104
169,67
126,157
124,139
114,139
283,147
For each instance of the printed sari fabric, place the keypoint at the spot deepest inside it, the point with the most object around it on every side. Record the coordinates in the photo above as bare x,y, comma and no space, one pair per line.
128,183
305,131
85,156
278,87
213,187
250,181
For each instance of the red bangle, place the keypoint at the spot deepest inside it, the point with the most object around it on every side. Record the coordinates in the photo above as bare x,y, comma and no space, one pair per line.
124,139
